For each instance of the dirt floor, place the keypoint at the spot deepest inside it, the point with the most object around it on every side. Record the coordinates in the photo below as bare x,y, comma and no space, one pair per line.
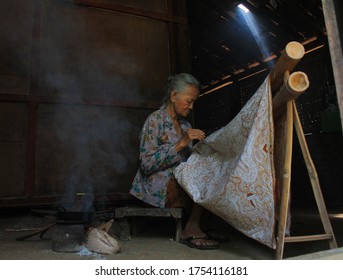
152,239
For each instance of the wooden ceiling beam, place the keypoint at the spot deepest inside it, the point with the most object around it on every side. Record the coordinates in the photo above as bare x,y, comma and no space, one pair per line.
110,6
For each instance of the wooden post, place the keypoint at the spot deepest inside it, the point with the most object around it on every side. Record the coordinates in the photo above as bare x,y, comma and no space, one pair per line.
333,23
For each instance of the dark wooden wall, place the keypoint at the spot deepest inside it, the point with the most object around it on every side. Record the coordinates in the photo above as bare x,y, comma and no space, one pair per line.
77,80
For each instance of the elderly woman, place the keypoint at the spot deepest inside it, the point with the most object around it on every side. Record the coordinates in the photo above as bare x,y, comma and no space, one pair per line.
165,141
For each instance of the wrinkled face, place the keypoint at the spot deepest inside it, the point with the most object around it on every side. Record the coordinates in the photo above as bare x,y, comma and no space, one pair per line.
183,101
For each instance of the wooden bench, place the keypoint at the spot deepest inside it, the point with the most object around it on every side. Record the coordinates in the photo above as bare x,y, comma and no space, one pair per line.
122,214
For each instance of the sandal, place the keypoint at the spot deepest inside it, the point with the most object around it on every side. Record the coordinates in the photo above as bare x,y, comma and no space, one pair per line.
189,243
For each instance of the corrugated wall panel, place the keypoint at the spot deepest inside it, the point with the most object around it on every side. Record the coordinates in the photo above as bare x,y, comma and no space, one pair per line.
95,53
13,124
15,46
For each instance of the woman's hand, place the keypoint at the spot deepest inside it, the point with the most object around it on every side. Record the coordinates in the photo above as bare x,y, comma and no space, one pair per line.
194,134
189,136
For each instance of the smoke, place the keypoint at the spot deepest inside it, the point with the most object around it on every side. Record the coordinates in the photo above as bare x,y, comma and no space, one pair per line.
95,144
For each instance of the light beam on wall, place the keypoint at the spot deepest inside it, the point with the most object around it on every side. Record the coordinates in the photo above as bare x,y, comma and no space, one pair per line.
243,8
254,29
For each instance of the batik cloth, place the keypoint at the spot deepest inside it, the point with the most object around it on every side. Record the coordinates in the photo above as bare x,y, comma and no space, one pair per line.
158,157
231,172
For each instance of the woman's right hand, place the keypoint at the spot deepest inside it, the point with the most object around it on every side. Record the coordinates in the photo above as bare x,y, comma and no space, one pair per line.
194,134
190,135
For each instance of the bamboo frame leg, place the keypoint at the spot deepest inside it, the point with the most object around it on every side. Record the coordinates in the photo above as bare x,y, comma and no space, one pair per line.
286,184
313,178
293,119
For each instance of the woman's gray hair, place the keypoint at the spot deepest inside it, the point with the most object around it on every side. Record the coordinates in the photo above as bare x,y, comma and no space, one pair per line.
178,83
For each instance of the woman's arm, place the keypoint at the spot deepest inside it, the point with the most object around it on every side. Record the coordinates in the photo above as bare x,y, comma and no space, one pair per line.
157,153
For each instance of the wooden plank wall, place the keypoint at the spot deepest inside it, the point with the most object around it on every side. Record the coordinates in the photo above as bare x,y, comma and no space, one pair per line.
77,80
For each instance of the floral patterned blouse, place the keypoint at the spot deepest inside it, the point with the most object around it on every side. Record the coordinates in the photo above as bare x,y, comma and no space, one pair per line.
158,157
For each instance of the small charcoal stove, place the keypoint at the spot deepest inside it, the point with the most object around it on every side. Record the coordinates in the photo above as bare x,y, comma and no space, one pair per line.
70,229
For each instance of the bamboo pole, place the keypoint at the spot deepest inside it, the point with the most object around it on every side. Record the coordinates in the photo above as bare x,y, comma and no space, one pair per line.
289,58
285,87
286,183
295,85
